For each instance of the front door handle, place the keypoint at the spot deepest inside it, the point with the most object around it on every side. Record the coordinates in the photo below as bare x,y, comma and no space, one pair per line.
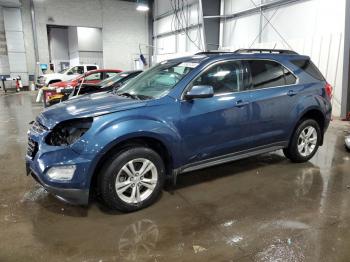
291,93
241,103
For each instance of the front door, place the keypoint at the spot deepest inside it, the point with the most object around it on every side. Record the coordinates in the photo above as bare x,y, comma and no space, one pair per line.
218,125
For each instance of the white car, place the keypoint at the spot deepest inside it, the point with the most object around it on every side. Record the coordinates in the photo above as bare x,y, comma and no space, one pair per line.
65,75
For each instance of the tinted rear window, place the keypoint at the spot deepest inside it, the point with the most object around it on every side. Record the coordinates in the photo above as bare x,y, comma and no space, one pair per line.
309,67
265,73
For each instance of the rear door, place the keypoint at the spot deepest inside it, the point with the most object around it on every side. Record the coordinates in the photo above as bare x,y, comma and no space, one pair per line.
273,94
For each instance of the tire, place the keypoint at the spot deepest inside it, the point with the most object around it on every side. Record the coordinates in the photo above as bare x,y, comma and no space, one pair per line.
117,172
305,141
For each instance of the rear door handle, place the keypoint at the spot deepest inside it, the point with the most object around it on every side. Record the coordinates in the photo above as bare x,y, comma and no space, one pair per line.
241,103
291,93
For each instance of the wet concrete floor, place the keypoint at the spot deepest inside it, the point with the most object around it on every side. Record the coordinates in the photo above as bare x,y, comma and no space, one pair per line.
259,209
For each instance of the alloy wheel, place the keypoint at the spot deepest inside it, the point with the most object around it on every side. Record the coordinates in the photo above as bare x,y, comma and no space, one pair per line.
136,180
307,141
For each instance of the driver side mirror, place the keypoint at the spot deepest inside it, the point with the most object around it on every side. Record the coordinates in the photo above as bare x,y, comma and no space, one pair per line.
200,92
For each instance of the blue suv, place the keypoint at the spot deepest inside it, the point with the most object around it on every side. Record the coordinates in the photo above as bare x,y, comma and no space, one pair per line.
181,115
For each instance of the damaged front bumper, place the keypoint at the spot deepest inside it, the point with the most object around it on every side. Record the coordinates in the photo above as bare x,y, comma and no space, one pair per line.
70,195
40,158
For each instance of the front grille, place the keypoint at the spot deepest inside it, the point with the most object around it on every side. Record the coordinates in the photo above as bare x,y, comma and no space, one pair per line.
32,148
38,128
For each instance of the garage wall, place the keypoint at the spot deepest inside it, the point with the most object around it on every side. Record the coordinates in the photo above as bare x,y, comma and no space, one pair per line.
169,39
123,27
4,60
314,28
15,43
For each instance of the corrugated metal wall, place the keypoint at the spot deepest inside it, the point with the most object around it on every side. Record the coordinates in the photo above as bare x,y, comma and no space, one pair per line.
177,35
314,28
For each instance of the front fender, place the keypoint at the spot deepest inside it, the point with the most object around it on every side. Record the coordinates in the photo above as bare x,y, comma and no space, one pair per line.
104,135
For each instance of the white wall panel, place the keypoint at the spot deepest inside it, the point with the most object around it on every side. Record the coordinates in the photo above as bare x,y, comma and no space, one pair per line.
4,61
164,25
124,30
166,44
18,63
234,6
89,39
13,19
194,40
163,6
86,57
15,41
241,32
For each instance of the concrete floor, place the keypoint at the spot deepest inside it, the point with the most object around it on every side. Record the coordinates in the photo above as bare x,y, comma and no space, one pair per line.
260,209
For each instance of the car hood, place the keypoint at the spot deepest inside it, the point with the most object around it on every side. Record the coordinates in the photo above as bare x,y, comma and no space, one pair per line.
87,106
64,84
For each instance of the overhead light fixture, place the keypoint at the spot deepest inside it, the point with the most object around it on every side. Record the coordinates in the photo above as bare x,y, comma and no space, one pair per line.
142,6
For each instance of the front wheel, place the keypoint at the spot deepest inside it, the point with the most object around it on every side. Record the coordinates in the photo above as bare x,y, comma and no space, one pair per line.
305,141
132,179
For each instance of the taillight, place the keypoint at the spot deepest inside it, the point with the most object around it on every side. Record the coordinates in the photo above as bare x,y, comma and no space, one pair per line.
329,90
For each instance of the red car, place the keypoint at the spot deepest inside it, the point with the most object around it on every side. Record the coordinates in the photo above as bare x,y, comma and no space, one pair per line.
90,77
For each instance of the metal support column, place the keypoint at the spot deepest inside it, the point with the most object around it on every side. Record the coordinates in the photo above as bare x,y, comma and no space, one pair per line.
211,27
345,101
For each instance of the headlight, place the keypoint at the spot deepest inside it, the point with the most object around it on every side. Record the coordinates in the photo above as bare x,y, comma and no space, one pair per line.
347,142
68,132
61,173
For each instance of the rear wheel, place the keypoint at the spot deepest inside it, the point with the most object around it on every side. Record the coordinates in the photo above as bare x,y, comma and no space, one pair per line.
132,179
305,141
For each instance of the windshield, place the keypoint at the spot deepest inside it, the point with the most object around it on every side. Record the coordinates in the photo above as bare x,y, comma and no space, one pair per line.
157,81
111,80
64,70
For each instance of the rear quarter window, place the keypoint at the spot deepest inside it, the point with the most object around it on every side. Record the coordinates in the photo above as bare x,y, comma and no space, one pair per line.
308,67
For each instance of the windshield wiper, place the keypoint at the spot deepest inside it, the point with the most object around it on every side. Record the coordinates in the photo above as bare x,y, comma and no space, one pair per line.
129,95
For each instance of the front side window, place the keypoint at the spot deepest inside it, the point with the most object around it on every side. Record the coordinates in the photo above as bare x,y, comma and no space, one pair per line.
226,77
157,81
77,70
265,73
94,76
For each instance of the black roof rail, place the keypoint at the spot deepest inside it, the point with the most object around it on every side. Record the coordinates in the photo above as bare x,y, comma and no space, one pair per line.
279,51
213,52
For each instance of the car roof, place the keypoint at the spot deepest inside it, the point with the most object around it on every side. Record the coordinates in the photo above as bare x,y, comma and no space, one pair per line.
270,54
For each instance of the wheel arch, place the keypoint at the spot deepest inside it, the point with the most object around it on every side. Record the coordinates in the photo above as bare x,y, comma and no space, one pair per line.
315,114
158,145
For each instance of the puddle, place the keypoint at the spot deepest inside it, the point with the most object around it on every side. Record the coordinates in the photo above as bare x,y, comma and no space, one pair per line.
34,195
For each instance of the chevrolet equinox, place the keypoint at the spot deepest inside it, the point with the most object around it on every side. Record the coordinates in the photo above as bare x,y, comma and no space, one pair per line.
181,115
